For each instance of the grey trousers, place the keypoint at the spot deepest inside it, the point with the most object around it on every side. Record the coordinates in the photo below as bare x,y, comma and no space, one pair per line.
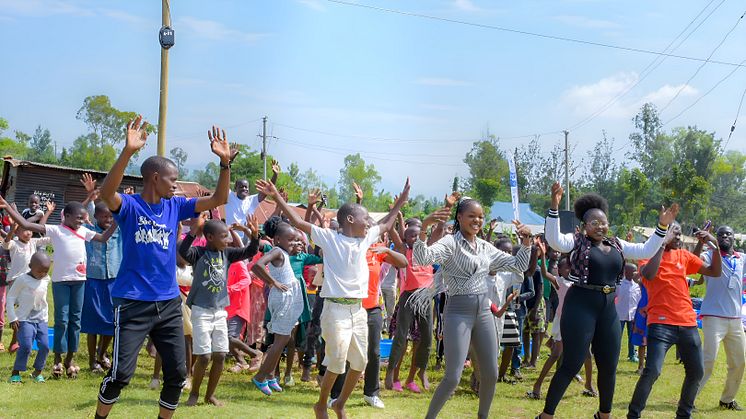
405,318
467,319
389,302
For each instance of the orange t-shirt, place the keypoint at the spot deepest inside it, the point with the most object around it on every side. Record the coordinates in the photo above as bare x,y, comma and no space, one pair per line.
669,301
416,276
374,279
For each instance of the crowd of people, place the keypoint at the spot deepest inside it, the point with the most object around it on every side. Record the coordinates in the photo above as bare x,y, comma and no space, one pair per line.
323,288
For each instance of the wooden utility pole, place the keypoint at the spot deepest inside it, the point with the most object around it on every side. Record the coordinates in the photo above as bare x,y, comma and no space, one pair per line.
264,145
163,102
567,172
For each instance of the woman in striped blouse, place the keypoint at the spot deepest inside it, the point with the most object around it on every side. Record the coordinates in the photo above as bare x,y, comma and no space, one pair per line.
589,317
465,262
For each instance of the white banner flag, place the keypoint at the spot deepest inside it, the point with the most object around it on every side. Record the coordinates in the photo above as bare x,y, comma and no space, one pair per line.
513,186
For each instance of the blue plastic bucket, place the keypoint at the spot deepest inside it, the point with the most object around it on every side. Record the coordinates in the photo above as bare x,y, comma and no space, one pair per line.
35,347
385,348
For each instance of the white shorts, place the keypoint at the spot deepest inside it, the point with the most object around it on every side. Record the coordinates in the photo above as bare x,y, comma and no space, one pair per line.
209,331
344,327
556,335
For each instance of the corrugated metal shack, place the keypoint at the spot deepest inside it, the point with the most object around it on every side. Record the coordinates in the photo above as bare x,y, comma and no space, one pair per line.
61,184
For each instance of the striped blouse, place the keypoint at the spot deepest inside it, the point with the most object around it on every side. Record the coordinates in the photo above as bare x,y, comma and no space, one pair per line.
464,267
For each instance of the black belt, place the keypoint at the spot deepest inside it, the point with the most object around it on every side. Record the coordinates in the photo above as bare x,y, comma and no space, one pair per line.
606,289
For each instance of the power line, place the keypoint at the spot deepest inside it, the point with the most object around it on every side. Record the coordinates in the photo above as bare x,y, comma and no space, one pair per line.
657,61
722,41
733,127
727,76
529,33
191,136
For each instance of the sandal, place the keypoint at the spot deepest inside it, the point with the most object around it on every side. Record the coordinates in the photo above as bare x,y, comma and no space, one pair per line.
97,369
58,370
15,379
236,369
590,393
274,385
38,378
533,395
72,371
262,386
105,363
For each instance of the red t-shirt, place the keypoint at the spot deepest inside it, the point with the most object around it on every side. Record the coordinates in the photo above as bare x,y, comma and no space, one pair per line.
374,278
416,276
669,301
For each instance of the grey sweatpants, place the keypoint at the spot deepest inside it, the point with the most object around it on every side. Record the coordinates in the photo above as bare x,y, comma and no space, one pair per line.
467,319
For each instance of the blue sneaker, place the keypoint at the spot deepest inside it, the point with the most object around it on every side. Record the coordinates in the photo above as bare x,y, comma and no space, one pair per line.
15,379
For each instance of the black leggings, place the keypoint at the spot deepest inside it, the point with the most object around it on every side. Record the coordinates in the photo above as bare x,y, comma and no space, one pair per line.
589,318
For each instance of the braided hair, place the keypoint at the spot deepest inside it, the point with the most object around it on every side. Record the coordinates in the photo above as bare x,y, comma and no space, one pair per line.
460,207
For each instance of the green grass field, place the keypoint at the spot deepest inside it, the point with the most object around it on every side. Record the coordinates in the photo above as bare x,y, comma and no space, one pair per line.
77,398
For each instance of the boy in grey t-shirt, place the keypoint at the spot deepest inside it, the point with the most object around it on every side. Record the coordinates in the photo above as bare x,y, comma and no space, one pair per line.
208,296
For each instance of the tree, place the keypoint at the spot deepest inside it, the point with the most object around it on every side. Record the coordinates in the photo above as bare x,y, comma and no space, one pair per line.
728,198
601,173
247,165
355,170
488,170
179,156
208,177
41,148
633,187
87,153
105,120
9,147
652,148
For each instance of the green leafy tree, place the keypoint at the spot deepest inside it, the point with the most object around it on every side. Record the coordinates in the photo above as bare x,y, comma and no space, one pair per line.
41,148
179,156
633,189
207,177
87,153
247,165
10,147
365,175
728,198
105,120
488,172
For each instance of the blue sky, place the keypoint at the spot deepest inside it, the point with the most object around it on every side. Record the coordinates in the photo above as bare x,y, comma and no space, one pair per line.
410,94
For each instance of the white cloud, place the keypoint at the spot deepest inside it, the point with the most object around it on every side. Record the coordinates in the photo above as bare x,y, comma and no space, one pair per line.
312,4
584,100
216,31
442,81
585,22
466,5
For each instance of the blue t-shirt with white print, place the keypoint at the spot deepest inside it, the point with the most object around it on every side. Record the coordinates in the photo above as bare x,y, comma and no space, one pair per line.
148,231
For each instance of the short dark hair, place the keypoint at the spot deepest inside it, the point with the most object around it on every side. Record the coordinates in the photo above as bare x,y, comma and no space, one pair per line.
213,227
73,207
154,164
348,209
588,202
101,207
275,226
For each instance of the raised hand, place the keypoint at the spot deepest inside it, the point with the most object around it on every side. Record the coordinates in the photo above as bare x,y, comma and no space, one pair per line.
51,206
630,236
234,151
276,169
198,224
129,190
136,134
314,195
668,215
253,225
452,199
541,247
557,192
523,231
380,250
439,216
89,183
705,236
403,196
283,194
493,224
358,192
266,187
220,145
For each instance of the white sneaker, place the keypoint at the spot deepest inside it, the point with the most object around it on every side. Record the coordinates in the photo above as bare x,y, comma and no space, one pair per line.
155,384
374,401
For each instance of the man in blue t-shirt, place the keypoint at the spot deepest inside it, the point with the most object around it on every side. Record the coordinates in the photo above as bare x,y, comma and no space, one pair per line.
145,293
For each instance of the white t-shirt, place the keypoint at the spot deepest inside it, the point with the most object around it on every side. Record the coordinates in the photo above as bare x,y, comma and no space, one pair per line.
236,210
20,255
345,266
69,252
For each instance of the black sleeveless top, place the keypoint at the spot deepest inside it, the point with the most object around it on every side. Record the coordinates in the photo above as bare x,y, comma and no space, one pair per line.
604,268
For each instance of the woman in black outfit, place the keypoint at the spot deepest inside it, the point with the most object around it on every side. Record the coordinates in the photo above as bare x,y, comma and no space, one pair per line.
589,317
